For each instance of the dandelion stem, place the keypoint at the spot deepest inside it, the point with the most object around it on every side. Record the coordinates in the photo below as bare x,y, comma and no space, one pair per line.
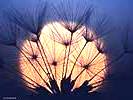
31,47
78,57
64,63
42,68
68,54
43,58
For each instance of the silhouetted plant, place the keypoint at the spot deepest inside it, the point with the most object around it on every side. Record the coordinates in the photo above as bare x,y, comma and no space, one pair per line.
39,50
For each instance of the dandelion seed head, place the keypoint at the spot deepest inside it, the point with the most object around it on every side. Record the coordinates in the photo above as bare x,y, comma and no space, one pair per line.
48,51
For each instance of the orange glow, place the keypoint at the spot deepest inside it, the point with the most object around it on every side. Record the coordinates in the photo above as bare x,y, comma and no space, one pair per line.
55,39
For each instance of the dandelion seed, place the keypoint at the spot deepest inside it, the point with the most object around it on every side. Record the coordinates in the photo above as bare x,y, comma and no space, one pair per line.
34,57
54,63
100,46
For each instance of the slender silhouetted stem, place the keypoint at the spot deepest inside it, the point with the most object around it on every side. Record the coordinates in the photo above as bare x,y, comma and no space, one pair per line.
64,63
48,73
68,54
78,57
